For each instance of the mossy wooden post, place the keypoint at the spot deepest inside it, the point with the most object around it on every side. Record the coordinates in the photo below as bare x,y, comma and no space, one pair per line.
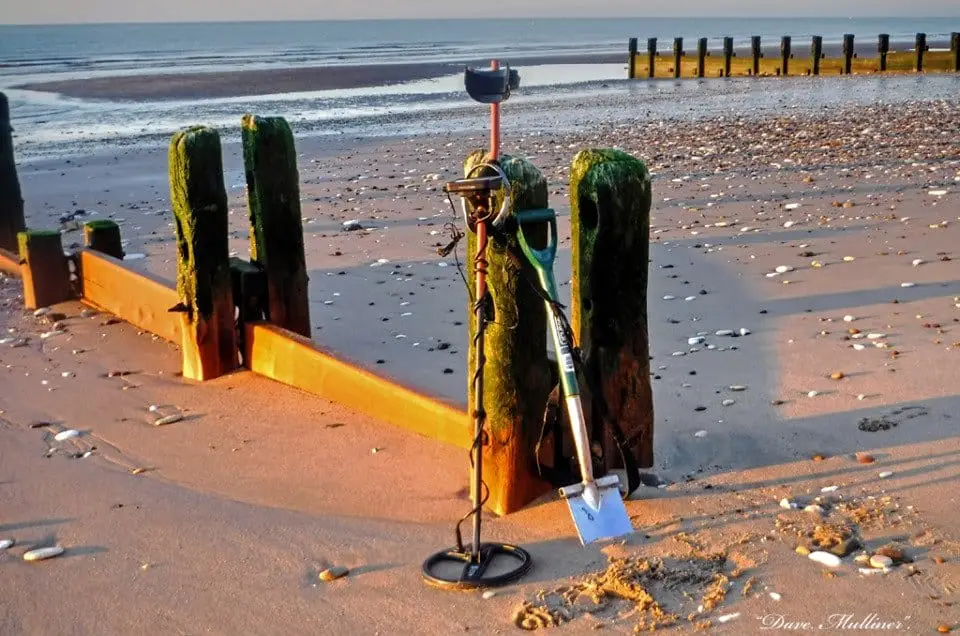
632,62
677,56
727,55
847,53
883,47
199,202
273,195
702,57
816,53
103,236
955,51
11,201
651,57
922,48
756,51
517,372
610,199
46,275
786,45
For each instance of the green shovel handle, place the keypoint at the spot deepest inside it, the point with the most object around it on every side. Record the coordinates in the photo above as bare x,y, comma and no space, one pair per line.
541,259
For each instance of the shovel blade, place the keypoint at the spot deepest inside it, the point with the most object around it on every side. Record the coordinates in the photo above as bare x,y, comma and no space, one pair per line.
609,520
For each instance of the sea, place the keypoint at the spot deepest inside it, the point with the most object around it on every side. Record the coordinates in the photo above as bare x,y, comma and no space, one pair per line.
52,125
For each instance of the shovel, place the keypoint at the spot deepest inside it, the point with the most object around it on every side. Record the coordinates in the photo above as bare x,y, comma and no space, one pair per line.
595,504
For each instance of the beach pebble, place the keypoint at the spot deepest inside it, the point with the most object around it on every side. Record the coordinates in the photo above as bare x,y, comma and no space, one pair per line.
679,354
726,618
886,474
334,573
859,347
814,509
744,331
51,334
729,402
67,374
489,594
786,504
848,318
6,544
169,419
775,596
937,193
88,313
783,269
827,489
907,285
825,558
917,262
696,340
837,375
41,554
870,571
725,332
876,336
352,225
134,257
813,394
849,259
880,561
43,311
791,206
700,434
668,297
737,388
63,436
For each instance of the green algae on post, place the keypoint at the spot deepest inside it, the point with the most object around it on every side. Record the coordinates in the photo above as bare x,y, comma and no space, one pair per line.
276,225
199,202
517,372
11,201
103,235
610,198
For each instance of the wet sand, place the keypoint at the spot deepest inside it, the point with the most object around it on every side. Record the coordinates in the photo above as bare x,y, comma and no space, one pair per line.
209,85
261,486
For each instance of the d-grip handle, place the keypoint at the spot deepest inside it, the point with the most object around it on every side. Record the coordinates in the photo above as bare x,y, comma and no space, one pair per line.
544,257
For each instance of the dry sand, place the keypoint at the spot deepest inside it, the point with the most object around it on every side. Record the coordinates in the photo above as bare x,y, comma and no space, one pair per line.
259,487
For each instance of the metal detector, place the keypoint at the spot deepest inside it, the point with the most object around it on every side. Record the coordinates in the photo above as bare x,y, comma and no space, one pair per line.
481,564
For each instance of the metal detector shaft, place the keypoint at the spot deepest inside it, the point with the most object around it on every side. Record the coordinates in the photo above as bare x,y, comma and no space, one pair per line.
479,415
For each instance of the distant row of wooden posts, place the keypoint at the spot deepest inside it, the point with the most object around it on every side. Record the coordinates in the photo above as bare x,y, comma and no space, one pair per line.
921,59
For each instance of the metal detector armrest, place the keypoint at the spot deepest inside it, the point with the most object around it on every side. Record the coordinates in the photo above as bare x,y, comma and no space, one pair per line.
470,186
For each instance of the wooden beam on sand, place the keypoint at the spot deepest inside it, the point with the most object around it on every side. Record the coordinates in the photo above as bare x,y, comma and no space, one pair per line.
204,283
786,52
290,358
11,201
677,57
883,48
610,198
44,268
816,53
757,53
701,57
9,263
955,51
632,62
651,57
138,298
517,372
848,51
921,47
276,223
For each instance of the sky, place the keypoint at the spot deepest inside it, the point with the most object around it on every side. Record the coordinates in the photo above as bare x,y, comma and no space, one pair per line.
74,11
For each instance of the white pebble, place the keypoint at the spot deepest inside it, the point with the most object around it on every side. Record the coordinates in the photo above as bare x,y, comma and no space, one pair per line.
937,193
849,259
848,318
775,596
43,311
876,336
870,571
669,297
744,331
63,436
917,262
6,544
905,285
738,387
67,374
789,224
725,332
729,402
51,334
42,553
728,617
861,397
700,434
813,394
690,298
786,504
791,206
695,341
169,419
825,558
880,561
829,489
679,354
886,474
859,347
783,269
489,594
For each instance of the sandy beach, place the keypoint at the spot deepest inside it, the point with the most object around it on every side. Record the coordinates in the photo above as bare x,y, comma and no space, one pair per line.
827,234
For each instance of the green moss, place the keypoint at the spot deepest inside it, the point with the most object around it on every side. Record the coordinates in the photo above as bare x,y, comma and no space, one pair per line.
101,225
610,198
276,225
199,202
516,374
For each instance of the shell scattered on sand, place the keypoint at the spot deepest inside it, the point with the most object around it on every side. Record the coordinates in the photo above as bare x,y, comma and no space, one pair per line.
42,554
63,436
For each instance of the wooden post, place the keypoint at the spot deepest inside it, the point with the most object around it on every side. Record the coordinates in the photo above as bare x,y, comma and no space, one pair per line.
847,53
273,196
883,47
632,62
677,56
921,49
727,55
755,49
46,275
816,53
955,51
610,199
11,201
785,54
517,371
702,57
103,236
199,202
651,57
